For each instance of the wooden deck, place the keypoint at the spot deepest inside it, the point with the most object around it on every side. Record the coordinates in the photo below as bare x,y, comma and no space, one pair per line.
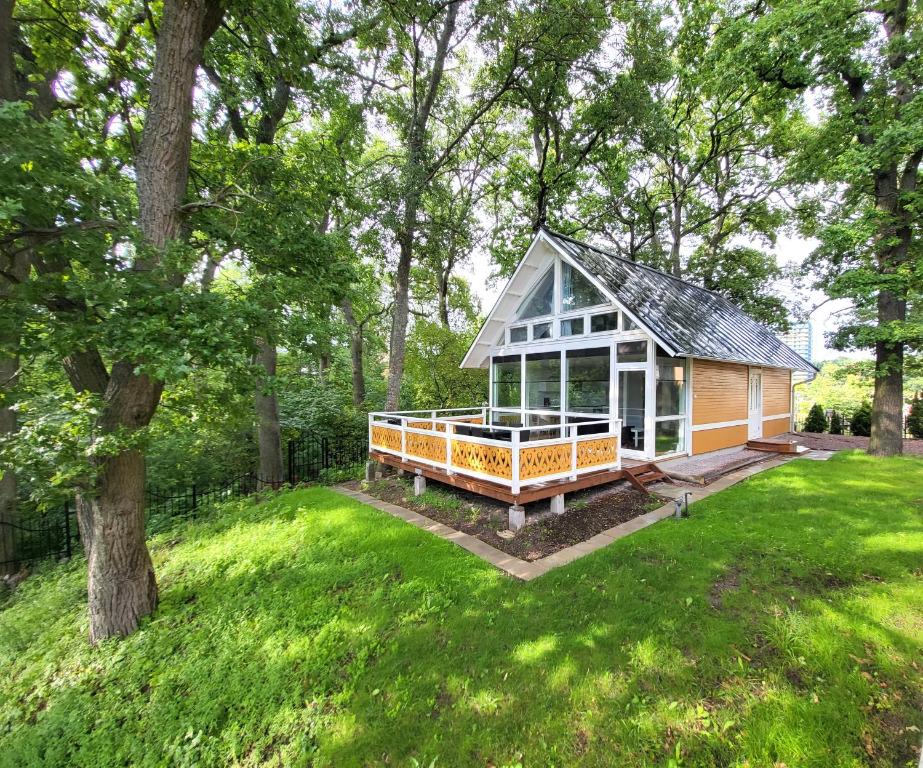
530,493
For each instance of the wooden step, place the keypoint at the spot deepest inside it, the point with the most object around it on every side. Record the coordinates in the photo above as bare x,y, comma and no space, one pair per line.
643,475
776,446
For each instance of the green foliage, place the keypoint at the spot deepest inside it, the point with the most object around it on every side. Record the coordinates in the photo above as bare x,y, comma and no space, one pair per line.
817,419
915,417
844,383
444,500
312,630
861,422
836,423
433,376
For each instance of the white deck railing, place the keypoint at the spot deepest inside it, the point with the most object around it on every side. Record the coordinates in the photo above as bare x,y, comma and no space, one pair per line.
469,441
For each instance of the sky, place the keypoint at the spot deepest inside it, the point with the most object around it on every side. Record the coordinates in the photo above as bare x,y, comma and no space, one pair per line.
788,250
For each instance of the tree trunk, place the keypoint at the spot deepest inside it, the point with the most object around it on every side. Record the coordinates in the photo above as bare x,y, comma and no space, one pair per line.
676,229
8,512
443,295
398,341
413,182
9,366
356,353
121,585
887,436
110,511
269,433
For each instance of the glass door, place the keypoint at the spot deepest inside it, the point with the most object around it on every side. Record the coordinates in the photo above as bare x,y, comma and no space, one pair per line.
632,400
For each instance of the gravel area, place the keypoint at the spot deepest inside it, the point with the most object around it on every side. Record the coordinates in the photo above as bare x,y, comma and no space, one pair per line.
588,513
824,442
708,467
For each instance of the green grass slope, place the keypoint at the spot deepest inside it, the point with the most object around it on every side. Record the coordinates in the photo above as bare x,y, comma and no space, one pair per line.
781,624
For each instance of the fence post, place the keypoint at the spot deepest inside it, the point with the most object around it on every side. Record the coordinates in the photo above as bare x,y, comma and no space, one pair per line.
195,500
291,461
67,528
325,459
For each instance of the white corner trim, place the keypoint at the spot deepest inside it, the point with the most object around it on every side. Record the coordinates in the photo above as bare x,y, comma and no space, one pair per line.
720,425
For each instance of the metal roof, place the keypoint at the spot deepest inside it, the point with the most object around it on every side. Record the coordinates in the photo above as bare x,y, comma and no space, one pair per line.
692,321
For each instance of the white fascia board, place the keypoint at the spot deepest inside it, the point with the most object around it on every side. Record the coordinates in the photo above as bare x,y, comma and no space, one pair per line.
604,290
479,339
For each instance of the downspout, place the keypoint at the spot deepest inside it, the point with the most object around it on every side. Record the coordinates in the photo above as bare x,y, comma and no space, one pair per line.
797,384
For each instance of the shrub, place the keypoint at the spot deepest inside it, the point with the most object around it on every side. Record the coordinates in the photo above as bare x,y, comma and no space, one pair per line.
836,423
817,420
915,417
861,422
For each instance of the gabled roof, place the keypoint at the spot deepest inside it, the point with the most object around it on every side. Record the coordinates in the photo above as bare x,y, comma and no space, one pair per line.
692,321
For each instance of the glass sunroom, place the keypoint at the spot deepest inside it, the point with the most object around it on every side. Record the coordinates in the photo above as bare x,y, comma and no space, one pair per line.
590,358
567,356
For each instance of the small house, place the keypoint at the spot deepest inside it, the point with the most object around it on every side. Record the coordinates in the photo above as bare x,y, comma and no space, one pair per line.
593,359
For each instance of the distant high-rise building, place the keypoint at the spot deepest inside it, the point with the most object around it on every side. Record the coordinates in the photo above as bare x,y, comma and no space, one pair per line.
799,339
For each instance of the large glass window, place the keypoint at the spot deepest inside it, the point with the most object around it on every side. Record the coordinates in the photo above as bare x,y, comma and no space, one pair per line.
607,322
631,409
588,380
572,326
670,436
507,381
632,351
541,331
540,300
671,386
543,381
670,432
576,291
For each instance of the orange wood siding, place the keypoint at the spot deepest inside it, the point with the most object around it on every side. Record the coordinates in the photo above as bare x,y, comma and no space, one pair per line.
777,391
706,440
773,427
719,392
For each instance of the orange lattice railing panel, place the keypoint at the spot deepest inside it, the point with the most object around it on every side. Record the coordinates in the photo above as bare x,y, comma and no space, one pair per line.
493,460
544,460
592,453
426,447
425,425
386,437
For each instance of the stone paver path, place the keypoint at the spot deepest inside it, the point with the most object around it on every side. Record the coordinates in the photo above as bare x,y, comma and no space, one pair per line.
526,571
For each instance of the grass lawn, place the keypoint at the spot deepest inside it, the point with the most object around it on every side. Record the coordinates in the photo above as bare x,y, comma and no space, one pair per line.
781,624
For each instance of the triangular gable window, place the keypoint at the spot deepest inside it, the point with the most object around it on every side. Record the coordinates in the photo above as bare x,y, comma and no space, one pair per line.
576,291
540,300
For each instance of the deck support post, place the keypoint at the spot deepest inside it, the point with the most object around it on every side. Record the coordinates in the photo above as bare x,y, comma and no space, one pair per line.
517,517
372,470
419,484
557,504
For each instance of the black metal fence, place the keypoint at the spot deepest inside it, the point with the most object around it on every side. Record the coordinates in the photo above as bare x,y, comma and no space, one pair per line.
845,424
309,458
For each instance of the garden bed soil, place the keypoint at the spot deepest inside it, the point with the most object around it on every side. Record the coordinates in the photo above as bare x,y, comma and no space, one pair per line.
824,442
588,513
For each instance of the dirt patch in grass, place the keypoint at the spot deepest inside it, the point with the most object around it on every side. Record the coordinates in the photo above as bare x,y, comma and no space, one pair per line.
729,582
588,513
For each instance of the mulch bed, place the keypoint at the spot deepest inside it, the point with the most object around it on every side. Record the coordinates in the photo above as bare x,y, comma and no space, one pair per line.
588,513
824,442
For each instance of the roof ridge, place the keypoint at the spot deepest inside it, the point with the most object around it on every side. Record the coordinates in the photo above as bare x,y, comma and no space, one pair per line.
768,334
648,267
